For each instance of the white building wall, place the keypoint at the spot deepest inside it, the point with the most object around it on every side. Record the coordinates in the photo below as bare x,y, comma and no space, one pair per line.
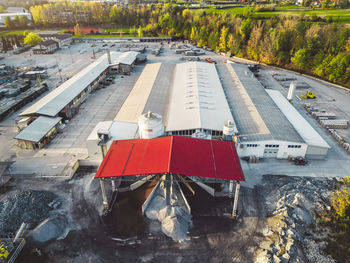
284,149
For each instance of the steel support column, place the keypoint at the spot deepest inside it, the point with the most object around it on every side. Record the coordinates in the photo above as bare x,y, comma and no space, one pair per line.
104,196
235,201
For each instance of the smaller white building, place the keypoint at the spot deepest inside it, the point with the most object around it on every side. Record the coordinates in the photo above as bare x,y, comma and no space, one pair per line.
115,130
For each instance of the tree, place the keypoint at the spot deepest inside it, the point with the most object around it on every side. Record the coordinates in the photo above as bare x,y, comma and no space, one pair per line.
341,199
140,32
77,30
245,28
301,59
8,22
23,21
223,39
2,9
32,39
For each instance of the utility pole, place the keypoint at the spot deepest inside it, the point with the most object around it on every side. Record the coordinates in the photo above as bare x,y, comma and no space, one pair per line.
59,70
70,54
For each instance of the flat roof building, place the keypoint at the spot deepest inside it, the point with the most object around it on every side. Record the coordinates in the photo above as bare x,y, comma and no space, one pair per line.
38,133
197,101
268,125
150,93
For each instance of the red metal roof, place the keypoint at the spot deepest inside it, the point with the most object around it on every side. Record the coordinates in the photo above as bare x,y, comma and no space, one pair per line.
172,154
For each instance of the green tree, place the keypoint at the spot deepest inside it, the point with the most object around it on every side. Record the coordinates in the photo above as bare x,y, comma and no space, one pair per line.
8,22
23,21
223,39
140,32
213,40
341,199
32,39
301,59
2,9
245,29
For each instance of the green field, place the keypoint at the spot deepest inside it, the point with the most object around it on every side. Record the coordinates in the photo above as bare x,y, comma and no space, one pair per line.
13,32
338,15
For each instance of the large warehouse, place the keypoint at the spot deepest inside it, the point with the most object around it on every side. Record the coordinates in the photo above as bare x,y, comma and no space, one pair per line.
268,125
189,98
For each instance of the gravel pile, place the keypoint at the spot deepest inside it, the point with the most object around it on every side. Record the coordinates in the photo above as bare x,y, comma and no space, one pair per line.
30,207
291,204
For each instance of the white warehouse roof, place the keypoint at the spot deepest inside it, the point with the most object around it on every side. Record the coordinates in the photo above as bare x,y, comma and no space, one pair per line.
127,58
197,100
306,131
56,100
150,93
38,129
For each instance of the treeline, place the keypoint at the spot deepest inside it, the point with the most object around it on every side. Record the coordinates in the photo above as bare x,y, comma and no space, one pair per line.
320,49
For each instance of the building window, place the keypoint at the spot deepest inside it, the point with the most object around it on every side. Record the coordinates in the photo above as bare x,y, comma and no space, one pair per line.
294,146
272,145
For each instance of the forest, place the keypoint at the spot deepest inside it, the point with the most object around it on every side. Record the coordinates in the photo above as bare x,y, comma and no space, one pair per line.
306,43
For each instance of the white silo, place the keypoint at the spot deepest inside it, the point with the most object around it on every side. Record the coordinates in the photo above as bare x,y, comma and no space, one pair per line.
229,130
291,91
201,135
150,125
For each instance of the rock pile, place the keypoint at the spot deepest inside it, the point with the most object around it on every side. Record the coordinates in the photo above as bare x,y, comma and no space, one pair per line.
291,203
30,207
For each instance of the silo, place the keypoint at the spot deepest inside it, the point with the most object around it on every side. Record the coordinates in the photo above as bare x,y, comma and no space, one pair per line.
228,130
150,125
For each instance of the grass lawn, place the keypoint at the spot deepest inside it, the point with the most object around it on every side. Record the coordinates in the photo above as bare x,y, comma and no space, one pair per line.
338,15
13,32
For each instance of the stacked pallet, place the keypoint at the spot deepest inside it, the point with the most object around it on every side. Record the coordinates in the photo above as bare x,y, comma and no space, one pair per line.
253,159
336,136
334,124
346,146
328,115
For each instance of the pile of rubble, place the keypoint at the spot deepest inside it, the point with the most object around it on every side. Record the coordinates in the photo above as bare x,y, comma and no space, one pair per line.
31,207
291,204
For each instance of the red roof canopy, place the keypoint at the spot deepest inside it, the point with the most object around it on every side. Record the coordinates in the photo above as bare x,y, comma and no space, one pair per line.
172,154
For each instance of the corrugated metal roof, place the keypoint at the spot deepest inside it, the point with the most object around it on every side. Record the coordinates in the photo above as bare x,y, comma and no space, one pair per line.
172,154
306,131
197,100
257,116
150,93
56,100
158,99
127,58
38,129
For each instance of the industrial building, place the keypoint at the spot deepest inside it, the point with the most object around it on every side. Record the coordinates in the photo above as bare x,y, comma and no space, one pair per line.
190,100
268,125
65,99
61,103
41,131
125,62
46,47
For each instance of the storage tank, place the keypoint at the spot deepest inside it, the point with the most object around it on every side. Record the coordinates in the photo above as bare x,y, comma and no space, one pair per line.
150,125
291,91
201,135
228,130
